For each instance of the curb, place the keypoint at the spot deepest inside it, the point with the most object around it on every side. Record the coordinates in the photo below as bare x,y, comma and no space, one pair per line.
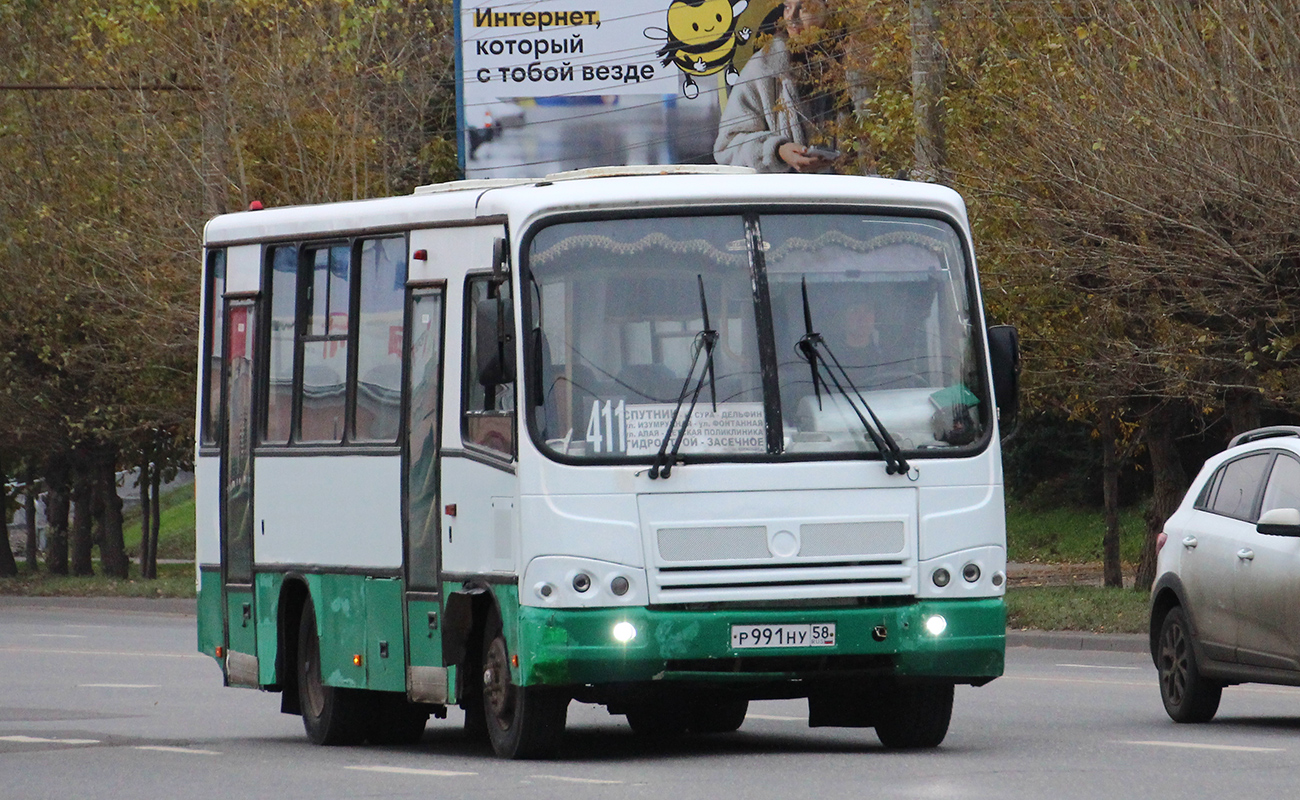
1080,640
182,606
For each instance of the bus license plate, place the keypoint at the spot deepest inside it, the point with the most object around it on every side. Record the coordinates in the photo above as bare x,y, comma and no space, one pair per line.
816,635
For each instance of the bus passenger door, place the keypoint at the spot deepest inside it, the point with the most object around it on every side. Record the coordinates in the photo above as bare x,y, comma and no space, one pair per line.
426,676
237,495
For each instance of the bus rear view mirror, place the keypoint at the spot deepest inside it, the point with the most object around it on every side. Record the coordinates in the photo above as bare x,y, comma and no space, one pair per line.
494,341
1004,355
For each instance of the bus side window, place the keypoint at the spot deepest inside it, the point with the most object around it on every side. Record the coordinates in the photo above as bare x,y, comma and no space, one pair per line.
213,343
488,407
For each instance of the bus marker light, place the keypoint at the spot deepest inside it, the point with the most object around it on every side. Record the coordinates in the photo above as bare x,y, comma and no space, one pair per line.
544,590
420,255
356,660
221,651
619,585
624,632
936,625
514,661
998,578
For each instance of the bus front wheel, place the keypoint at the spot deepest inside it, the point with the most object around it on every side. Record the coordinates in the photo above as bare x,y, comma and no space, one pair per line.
331,716
911,717
522,721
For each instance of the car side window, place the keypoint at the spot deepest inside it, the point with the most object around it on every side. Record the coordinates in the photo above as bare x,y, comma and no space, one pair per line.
1283,490
1238,489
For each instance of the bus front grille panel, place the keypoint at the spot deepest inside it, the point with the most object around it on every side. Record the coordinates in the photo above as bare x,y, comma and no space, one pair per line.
775,580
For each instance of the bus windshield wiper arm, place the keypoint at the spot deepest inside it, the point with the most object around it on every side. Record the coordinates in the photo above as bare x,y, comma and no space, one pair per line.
811,346
705,341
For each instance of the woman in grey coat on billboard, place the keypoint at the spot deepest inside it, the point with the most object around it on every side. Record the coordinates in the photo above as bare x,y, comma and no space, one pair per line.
770,119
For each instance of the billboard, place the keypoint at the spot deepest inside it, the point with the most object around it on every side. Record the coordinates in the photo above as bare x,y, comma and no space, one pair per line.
553,85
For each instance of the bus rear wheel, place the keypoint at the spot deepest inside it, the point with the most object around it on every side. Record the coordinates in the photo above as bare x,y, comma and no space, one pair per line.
913,717
522,721
331,716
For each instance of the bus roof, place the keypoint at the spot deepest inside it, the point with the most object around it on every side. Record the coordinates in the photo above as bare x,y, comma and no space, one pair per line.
471,202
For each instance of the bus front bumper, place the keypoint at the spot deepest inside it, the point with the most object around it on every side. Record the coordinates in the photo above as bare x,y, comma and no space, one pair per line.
592,646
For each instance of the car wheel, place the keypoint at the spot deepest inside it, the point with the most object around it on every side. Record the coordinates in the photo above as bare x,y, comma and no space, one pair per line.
1187,695
522,721
331,716
912,717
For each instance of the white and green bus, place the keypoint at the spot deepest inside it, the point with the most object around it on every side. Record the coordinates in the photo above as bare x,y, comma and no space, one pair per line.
667,440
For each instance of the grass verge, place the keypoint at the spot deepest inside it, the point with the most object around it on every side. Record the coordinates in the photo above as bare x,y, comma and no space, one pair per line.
1067,534
174,580
175,525
1096,609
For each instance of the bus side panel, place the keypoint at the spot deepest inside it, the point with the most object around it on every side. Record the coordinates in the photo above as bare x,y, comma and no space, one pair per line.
385,656
484,534
207,527
340,606
267,586
243,628
209,610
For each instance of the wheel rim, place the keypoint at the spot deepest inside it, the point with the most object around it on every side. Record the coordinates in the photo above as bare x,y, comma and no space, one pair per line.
498,691
1174,663
314,693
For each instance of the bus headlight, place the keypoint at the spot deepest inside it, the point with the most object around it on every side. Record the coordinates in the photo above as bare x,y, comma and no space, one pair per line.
936,624
624,632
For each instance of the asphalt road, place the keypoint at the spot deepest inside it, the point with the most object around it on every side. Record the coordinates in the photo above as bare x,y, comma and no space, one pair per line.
116,704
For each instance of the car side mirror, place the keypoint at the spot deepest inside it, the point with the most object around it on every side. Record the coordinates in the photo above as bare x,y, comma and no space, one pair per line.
1280,522
1004,357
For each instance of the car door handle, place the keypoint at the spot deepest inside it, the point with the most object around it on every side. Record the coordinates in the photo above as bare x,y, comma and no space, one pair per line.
1246,554
1189,541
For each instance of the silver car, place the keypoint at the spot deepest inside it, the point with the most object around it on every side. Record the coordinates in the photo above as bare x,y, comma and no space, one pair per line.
1223,608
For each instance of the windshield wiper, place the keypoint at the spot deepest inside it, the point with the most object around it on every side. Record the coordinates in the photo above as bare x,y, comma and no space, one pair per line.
810,347
704,342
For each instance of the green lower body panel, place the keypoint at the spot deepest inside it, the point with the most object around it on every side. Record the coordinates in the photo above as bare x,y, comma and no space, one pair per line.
572,647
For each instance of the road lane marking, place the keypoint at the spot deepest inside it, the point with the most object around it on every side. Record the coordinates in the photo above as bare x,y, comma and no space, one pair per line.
159,748
1195,746
774,717
57,635
1083,681
1099,666
567,779
42,651
437,773
43,740
119,686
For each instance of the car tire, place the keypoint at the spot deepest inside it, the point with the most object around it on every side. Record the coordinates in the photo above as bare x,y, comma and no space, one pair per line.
1188,696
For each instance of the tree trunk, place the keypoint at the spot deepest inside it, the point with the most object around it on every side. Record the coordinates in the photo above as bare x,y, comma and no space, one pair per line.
1243,410
80,541
930,148
112,548
1112,570
8,567
144,516
29,506
57,500
155,518
1169,482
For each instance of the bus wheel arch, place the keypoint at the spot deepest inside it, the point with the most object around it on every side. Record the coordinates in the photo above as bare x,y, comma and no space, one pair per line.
522,722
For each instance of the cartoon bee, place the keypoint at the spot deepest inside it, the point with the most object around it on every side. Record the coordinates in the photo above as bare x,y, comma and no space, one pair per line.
701,39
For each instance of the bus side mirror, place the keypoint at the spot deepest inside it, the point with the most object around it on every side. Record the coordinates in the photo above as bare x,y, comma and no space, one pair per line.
494,343
1004,356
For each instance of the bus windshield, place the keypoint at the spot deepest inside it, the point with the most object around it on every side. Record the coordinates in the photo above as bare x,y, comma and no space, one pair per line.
617,316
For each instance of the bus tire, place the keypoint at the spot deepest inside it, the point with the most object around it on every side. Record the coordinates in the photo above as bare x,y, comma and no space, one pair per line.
523,722
331,716
913,717
719,715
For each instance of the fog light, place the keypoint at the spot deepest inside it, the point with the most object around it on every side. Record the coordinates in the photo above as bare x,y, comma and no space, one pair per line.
624,632
619,585
971,572
936,625
941,577
581,582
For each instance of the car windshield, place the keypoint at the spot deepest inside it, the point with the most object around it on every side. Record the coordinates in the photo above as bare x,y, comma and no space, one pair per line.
617,308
